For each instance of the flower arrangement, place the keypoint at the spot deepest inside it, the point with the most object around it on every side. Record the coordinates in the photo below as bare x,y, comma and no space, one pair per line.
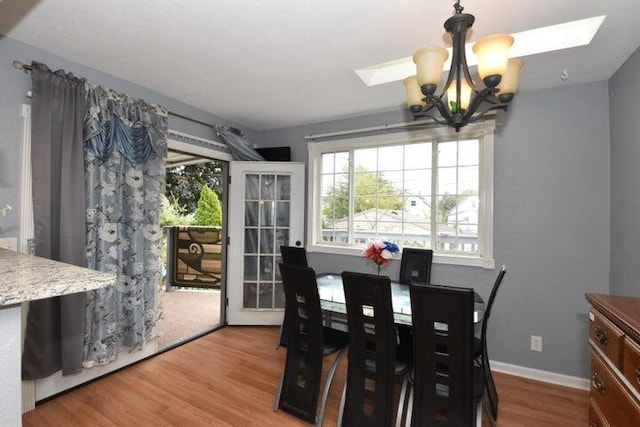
380,252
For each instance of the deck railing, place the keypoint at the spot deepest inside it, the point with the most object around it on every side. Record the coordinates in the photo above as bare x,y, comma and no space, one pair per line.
194,257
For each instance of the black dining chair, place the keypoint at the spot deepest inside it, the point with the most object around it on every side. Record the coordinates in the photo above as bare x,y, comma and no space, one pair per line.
293,255
446,387
415,265
481,353
368,394
308,343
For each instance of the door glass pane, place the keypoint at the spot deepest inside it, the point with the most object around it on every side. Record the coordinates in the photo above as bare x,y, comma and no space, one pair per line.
265,297
267,187
251,214
266,213
278,296
282,238
249,298
251,186
284,187
251,240
250,267
266,268
266,241
282,214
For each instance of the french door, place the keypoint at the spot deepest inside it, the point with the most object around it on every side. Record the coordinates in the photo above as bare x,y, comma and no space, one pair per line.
266,210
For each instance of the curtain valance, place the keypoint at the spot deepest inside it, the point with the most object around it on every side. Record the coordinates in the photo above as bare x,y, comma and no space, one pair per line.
130,125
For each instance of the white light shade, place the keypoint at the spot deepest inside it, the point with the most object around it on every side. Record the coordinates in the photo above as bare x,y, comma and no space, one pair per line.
465,95
429,62
414,95
511,77
492,54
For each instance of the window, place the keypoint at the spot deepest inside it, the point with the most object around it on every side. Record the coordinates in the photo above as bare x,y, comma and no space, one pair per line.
425,189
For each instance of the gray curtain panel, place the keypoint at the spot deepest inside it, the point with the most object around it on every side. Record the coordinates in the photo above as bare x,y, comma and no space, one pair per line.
55,327
125,151
238,145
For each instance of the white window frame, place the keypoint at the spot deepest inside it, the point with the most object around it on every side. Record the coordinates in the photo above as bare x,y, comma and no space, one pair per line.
483,131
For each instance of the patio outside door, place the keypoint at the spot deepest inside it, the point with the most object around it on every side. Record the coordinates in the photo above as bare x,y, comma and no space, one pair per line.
266,210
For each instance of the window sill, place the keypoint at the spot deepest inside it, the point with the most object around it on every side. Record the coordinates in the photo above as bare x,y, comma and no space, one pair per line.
449,259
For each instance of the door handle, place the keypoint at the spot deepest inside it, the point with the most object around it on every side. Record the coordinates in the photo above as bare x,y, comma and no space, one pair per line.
298,243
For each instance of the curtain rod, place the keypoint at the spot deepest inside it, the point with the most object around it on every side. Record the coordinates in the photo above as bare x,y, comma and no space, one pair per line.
27,68
21,66
387,127
180,116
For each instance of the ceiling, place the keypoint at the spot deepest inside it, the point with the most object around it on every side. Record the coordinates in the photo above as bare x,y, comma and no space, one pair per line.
281,63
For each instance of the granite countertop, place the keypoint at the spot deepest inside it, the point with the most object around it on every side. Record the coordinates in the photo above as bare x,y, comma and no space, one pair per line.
28,277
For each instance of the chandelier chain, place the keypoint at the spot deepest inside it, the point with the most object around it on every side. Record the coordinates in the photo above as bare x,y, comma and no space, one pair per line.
458,7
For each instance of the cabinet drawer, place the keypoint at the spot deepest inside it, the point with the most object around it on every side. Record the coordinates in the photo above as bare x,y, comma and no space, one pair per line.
617,406
596,419
606,336
631,362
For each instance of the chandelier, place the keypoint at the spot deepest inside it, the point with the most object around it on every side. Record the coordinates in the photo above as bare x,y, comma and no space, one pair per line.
462,102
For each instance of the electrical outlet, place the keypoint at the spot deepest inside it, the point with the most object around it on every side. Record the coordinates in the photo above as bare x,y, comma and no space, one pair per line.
536,343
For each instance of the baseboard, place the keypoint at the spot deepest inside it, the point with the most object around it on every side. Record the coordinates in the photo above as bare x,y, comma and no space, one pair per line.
539,375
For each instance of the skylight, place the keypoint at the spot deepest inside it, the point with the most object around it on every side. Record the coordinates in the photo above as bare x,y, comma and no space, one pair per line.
531,42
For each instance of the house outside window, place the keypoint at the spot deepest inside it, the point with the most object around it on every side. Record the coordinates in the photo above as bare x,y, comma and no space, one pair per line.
428,189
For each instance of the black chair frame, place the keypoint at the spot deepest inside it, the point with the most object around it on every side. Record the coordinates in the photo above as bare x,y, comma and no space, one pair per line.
368,396
299,388
293,255
447,387
415,265
483,355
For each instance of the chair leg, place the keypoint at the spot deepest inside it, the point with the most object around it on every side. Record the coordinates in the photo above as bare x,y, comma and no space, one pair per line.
486,405
327,386
342,402
490,388
403,396
276,404
479,413
407,421
280,335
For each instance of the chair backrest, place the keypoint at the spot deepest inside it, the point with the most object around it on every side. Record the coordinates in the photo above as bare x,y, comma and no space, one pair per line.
489,306
295,255
372,347
442,319
292,255
492,392
415,265
303,366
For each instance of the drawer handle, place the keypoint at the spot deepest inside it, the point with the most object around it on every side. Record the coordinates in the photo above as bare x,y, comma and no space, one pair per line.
638,375
601,335
597,382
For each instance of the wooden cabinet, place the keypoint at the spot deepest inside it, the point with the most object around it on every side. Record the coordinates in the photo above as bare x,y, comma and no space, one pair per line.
614,338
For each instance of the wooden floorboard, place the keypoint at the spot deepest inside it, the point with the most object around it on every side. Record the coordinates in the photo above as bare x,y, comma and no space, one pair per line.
230,377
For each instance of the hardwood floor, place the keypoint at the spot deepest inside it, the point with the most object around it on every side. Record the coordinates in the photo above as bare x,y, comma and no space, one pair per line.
230,377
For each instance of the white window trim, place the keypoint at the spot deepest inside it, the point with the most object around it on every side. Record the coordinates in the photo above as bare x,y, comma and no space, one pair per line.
484,131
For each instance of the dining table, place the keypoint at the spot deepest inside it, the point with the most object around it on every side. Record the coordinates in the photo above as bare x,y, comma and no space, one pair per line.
334,309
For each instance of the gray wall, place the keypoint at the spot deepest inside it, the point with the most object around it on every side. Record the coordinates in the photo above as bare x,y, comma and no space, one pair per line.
625,178
14,85
551,224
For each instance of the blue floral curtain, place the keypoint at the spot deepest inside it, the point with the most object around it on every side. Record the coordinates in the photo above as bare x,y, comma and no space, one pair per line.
125,151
